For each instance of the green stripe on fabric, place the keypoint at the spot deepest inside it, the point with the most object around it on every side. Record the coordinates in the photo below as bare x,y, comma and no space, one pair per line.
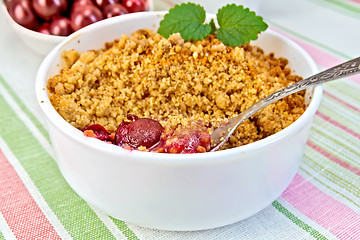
339,6
1,236
330,131
349,146
22,106
125,229
313,232
344,89
340,113
71,210
332,145
330,188
345,5
307,39
332,171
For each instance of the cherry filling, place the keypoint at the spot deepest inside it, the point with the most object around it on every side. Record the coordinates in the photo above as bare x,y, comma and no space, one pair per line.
190,139
149,135
99,132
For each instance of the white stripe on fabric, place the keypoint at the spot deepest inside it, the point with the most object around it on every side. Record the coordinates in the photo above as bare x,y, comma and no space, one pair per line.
109,224
33,191
5,229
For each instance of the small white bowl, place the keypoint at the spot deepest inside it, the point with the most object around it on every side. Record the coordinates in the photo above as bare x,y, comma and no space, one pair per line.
174,191
39,42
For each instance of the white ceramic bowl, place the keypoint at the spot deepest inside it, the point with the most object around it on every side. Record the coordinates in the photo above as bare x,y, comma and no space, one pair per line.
174,191
39,42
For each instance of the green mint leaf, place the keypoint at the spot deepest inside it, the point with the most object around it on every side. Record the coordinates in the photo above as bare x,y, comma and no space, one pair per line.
212,25
188,20
238,25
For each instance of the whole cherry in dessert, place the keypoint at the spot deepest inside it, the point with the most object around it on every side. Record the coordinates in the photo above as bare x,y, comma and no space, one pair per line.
144,132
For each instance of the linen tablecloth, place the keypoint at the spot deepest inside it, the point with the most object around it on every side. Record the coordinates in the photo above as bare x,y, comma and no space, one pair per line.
322,202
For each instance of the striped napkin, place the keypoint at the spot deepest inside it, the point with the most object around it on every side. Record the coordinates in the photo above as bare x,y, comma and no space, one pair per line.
322,202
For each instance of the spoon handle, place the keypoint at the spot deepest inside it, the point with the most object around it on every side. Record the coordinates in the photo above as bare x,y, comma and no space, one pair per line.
340,71
222,134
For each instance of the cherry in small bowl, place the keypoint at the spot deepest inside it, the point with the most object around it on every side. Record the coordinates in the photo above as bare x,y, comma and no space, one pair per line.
40,24
47,9
40,42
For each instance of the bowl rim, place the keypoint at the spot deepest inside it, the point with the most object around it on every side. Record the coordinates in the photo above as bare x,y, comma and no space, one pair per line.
219,156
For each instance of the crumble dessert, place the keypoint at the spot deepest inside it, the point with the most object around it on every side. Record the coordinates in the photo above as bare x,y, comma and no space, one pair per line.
175,83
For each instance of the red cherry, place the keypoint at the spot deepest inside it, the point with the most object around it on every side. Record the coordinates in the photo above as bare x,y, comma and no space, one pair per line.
84,15
103,3
112,10
22,13
134,5
44,28
141,132
60,26
47,9
81,3
10,4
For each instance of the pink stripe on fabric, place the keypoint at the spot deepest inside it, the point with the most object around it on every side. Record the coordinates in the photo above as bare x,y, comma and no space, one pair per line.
342,101
333,158
20,211
322,58
337,124
331,214
355,1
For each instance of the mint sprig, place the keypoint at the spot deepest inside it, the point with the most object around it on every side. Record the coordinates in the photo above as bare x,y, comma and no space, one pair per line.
237,25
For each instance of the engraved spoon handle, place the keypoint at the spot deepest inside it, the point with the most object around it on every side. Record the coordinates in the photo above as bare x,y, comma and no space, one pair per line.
221,134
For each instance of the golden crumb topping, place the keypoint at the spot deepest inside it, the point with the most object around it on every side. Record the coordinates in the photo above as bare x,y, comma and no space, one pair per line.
175,82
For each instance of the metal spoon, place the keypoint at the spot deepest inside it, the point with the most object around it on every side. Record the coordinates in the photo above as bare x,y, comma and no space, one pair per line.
221,134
